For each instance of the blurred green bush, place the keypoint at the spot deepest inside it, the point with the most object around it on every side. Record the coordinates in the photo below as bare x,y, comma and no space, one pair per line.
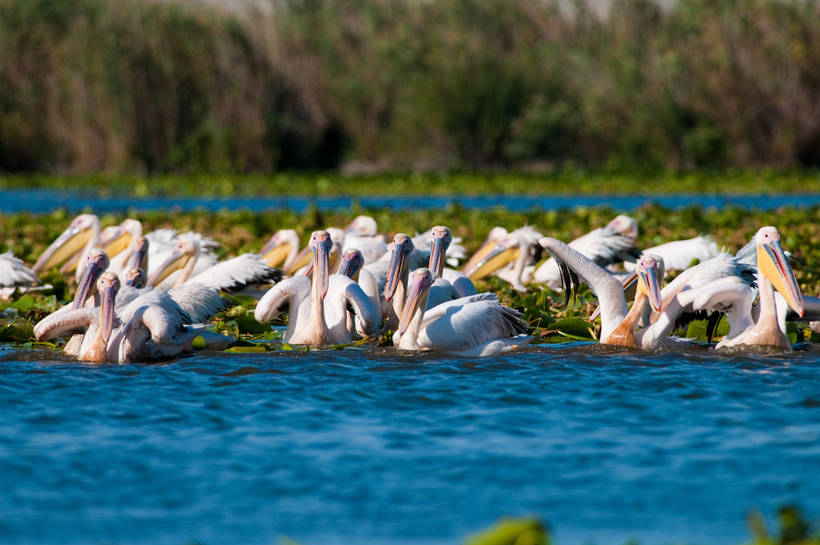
145,86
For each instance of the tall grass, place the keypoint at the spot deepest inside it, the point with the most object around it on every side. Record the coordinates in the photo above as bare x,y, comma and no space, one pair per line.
143,86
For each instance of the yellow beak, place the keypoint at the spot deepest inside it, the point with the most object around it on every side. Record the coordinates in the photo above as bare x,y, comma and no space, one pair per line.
774,265
499,257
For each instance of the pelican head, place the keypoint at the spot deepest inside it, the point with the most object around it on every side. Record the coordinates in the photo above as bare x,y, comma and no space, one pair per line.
95,264
624,225
419,284
139,257
108,285
136,278
402,248
320,244
496,235
363,226
127,231
650,272
441,241
76,236
773,264
183,255
521,241
281,245
352,262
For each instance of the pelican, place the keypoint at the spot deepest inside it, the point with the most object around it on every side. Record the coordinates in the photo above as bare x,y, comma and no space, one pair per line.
14,276
163,243
618,325
317,306
455,251
241,274
512,258
494,237
362,234
351,266
605,246
122,245
151,327
773,273
81,235
451,283
678,255
477,325
281,249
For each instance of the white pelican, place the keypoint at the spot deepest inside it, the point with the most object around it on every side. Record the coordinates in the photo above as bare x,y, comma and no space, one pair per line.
162,243
241,274
495,236
281,249
678,255
317,306
619,324
14,275
512,258
452,284
363,235
773,273
477,325
605,246
81,235
455,251
151,327
122,245
351,266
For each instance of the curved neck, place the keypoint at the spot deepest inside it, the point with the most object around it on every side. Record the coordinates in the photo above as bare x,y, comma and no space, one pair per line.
624,332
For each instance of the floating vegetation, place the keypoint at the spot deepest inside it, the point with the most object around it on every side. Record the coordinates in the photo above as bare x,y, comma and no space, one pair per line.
242,231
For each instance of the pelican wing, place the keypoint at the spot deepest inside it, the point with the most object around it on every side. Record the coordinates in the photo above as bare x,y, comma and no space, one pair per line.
234,275
678,255
270,306
462,285
63,323
200,302
469,322
13,272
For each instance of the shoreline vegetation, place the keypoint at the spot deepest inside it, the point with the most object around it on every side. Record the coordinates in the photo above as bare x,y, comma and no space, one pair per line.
560,182
145,86
237,232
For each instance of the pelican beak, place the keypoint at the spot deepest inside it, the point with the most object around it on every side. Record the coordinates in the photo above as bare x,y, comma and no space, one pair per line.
274,253
70,242
493,260
175,261
300,260
139,259
478,257
437,256
648,283
321,267
401,250
108,293
772,262
118,243
416,296
93,269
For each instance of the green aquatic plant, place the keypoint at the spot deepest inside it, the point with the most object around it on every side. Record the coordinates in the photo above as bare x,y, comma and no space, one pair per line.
243,231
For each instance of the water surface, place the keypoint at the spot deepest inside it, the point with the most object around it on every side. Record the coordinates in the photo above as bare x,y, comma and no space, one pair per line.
46,200
369,446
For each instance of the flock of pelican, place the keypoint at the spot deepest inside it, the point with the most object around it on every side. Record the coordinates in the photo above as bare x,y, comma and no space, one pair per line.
143,297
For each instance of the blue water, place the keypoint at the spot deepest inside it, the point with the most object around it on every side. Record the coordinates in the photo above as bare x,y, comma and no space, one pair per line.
46,200
369,446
